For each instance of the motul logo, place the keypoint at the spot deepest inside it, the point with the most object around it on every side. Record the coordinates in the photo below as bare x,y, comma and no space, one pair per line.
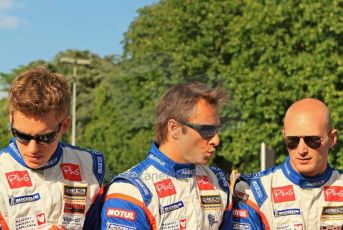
240,213
121,213
283,194
18,179
204,183
333,193
71,172
165,188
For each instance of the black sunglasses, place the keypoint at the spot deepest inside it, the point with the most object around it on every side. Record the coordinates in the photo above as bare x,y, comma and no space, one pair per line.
205,131
313,142
40,139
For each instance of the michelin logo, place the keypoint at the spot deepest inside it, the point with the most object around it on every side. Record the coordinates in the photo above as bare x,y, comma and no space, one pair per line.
241,226
23,199
287,212
119,227
172,207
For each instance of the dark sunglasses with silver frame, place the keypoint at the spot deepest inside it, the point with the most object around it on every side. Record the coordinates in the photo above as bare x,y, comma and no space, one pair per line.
205,131
313,142
40,139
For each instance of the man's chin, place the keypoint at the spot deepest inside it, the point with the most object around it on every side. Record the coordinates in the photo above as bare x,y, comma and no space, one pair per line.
34,165
204,162
307,170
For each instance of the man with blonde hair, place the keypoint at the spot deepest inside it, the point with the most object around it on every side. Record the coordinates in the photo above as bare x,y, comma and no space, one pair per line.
304,192
173,188
44,182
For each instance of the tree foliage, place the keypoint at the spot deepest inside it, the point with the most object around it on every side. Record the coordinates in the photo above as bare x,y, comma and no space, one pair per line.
267,54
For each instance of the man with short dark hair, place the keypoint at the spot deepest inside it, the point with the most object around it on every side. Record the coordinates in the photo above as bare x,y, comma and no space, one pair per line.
45,183
172,188
302,193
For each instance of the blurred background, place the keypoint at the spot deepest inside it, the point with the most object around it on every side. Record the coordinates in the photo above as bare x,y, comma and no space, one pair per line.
120,56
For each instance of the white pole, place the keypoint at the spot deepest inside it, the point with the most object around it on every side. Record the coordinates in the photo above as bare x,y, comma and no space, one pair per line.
73,119
75,62
263,156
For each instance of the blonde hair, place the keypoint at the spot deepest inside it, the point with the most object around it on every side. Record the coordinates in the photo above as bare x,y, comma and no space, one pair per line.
38,91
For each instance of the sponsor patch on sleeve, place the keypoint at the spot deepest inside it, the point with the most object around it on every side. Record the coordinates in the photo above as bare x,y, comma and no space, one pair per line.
114,226
242,226
121,213
240,213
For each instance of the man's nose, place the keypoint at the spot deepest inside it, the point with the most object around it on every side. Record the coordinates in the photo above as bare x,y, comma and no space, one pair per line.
302,147
215,140
33,146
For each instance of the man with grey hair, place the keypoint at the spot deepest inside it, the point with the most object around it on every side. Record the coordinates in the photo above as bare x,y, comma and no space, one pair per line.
173,188
302,193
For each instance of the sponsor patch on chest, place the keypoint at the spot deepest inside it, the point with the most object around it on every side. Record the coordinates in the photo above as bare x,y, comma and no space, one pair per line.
333,193
283,194
172,207
332,213
31,222
14,200
204,183
72,221
210,201
297,226
175,224
18,179
331,227
74,208
165,188
287,212
75,193
71,171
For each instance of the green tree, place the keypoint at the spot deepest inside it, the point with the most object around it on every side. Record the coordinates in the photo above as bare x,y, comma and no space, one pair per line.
123,116
267,53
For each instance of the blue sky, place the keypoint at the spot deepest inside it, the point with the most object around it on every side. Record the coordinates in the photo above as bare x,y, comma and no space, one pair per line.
39,29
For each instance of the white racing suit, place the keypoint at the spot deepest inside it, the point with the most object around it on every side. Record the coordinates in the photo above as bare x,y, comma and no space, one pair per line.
161,194
280,198
61,193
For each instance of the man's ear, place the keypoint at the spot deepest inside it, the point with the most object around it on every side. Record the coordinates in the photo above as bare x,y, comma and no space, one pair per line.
334,137
174,129
66,124
10,117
